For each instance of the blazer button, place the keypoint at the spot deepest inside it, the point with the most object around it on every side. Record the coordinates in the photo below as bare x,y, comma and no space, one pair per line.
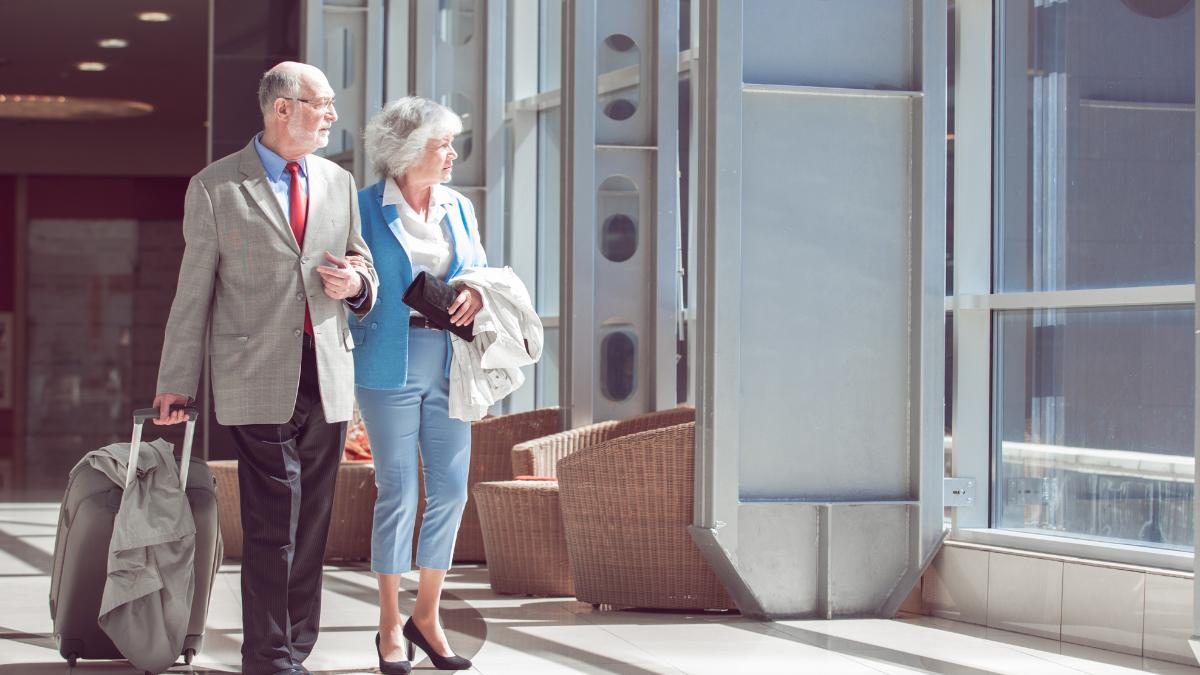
374,326
304,260
299,296
298,331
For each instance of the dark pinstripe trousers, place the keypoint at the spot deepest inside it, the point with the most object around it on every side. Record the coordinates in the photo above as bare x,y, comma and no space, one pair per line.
286,473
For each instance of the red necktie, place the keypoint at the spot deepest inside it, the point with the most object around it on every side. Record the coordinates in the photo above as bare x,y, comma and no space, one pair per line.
297,217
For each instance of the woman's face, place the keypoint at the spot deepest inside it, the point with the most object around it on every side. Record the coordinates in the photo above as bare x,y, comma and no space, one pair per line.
437,163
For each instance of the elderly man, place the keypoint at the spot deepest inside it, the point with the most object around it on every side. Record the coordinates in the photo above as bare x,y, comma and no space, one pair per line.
265,279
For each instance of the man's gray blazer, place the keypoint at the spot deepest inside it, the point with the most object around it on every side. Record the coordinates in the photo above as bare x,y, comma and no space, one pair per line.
244,282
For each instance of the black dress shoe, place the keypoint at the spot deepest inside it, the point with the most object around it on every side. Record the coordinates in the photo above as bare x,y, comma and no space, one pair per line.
414,637
391,667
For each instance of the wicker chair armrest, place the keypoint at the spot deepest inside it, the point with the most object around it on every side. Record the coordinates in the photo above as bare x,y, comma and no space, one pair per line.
501,433
539,457
656,420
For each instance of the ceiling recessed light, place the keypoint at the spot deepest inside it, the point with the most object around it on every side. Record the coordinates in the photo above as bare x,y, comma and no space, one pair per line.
154,17
91,66
113,43
39,107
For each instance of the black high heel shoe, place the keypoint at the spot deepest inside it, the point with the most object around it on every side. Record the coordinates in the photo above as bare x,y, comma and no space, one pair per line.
392,667
414,637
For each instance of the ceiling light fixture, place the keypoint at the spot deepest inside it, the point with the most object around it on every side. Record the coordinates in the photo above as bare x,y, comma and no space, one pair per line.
41,107
113,43
91,66
154,17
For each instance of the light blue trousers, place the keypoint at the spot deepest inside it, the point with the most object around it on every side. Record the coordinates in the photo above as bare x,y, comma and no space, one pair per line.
401,422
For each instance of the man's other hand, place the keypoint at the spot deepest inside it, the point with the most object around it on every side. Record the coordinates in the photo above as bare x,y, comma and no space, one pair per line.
164,402
341,281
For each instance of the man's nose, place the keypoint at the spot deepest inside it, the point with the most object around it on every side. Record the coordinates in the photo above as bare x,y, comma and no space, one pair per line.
453,153
331,114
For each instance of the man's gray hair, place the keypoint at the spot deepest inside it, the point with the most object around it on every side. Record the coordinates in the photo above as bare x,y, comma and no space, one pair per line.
396,137
277,83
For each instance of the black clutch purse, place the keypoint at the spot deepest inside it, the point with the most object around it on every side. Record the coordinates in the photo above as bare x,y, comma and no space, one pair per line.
432,297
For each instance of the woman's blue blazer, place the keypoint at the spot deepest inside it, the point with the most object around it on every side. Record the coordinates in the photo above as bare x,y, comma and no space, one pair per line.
381,338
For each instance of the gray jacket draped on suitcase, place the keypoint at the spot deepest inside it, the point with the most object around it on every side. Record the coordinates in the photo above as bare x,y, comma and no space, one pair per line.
148,593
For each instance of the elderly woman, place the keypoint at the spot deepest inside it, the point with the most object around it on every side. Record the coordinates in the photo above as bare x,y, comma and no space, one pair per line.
413,223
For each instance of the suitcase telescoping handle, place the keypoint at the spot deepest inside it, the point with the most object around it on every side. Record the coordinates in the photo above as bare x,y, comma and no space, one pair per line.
139,418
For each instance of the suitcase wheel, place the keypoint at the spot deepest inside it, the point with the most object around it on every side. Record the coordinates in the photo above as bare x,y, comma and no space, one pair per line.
72,659
188,654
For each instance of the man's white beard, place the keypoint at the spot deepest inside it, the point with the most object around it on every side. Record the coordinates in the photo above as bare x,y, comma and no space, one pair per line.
308,138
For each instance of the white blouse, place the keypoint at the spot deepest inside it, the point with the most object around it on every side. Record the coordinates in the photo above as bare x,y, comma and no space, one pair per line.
426,240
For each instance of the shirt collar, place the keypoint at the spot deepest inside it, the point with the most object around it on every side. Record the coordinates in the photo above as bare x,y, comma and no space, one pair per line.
392,196
272,163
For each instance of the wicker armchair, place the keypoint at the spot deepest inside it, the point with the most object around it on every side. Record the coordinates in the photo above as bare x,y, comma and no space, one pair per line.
640,553
522,525
349,523
523,533
540,457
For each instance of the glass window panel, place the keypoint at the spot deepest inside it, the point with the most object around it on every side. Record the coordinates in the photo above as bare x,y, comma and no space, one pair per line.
1094,423
948,410
950,47
511,229
948,397
683,363
547,370
550,57
549,186
462,105
456,22
508,51
1095,160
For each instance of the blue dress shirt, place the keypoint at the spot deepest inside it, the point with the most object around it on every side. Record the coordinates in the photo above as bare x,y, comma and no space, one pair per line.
277,175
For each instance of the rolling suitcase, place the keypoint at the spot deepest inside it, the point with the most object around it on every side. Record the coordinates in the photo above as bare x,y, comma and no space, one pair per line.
85,526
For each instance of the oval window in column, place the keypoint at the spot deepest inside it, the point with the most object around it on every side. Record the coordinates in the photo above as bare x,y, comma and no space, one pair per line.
618,365
620,66
617,205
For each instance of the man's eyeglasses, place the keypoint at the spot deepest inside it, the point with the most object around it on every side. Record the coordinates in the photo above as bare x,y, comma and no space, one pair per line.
322,104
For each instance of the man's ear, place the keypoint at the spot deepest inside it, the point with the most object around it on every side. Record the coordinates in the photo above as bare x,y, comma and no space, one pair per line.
281,107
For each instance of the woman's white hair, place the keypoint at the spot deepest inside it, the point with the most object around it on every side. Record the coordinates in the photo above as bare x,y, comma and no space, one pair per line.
397,136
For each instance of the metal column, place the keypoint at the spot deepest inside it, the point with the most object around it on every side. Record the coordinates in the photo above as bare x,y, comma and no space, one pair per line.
619,209
821,234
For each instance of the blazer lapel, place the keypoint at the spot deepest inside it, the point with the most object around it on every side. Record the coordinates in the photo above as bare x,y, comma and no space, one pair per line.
451,216
390,215
317,191
255,183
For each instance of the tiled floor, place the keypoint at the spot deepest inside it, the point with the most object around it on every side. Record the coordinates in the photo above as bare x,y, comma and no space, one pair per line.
519,635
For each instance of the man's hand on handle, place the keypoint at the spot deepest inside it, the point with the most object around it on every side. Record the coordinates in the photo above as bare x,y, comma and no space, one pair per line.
164,402
341,281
